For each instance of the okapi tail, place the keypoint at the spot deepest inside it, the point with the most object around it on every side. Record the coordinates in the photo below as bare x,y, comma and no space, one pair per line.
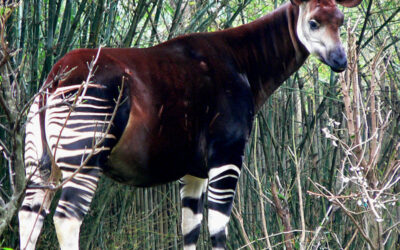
39,163
47,161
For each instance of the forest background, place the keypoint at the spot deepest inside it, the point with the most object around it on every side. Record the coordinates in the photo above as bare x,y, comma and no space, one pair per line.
321,169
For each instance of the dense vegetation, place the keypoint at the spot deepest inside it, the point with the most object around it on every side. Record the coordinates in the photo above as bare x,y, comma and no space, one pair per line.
321,168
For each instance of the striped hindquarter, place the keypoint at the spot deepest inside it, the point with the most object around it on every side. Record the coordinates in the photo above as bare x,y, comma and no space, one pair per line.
77,139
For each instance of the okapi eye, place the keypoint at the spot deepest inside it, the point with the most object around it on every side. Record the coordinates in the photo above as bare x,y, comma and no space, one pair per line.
314,25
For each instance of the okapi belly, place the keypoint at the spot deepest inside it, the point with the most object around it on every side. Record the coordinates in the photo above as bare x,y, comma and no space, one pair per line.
150,151
144,164
131,172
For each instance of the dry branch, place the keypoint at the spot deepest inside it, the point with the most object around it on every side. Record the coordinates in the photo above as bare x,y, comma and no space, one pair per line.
284,215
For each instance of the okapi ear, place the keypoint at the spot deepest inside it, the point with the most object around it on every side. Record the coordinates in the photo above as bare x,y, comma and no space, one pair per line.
349,3
297,2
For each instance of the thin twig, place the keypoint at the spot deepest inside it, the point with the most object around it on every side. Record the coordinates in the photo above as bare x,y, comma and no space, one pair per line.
4,149
42,91
90,75
273,235
349,214
351,240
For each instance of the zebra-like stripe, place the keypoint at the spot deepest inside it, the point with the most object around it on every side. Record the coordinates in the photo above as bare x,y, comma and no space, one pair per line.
37,201
221,191
72,133
222,184
192,191
34,147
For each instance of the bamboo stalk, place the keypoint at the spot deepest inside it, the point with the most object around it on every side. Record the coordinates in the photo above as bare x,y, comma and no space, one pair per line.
72,29
263,219
96,24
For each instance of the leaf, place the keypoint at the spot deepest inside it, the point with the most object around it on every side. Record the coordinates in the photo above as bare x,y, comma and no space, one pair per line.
281,196
297,245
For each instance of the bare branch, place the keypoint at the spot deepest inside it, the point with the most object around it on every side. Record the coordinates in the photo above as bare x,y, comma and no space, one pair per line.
90,75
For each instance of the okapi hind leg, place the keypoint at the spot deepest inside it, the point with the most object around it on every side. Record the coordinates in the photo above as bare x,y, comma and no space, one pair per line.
31,215
192,191
81,140
74,203
37,200
221,191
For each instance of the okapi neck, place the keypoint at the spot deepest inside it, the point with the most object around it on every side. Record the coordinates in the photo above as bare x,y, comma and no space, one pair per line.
268,51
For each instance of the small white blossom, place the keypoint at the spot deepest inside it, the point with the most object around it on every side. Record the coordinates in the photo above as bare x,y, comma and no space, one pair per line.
380,205
355,169
333,123
326,132
359,202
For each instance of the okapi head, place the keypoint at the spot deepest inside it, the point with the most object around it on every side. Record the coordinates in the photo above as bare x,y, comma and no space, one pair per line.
318,30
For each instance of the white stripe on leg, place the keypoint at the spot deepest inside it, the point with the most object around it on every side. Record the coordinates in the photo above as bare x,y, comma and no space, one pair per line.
190,220
192,192
217,222
68,232
221,191
192,186
30,225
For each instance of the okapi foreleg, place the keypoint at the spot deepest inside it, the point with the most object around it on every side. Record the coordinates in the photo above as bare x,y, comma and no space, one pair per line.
221,191
192,196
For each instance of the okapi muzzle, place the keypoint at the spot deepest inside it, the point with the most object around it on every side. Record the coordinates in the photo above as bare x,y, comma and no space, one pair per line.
337,59
318,29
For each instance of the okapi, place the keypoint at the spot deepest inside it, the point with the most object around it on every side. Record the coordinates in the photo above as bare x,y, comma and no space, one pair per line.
186,113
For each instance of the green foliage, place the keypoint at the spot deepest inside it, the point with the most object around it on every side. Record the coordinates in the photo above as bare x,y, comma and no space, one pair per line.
289,126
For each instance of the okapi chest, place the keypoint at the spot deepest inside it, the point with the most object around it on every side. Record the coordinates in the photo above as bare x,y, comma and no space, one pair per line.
180,110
